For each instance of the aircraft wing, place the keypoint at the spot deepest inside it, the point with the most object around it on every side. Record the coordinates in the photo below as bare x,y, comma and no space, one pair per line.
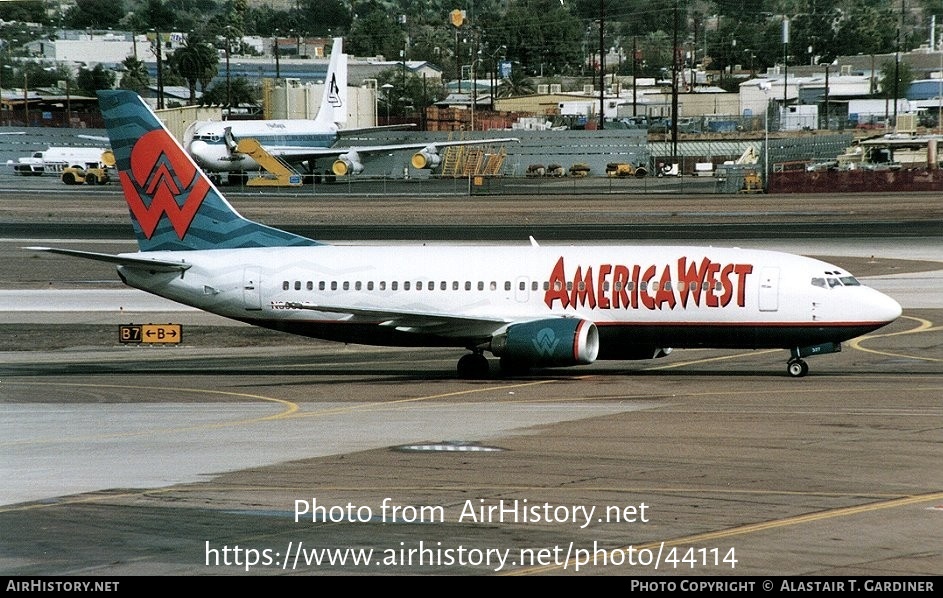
444,324
349,160
302,153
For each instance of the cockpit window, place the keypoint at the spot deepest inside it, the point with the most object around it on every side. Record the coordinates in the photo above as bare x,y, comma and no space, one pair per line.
818,282
850,281
833,282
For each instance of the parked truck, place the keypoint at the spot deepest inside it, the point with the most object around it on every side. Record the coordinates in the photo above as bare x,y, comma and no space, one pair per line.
55,160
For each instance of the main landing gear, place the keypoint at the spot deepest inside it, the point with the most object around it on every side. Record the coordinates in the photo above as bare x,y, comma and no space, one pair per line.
474,366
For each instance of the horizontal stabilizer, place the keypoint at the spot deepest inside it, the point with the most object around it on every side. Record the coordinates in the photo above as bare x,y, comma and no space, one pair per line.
121,260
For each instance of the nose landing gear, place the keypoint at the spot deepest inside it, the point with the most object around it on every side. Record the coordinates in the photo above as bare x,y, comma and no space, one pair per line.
797,368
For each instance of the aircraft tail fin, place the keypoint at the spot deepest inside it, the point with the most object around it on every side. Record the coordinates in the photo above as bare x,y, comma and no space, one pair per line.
333,109
173,204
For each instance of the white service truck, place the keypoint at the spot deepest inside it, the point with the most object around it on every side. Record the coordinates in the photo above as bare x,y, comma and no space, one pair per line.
74,165
55,159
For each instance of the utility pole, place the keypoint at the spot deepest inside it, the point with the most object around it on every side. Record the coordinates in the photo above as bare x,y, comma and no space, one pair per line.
674,87
278,68
602,64
900,26
160,72
634,74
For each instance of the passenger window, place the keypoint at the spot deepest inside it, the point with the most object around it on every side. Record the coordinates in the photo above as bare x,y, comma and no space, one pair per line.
454,285
382,285
406,285
507,285
467,285
370,285
394,285
418,286
481,285
522,286
357,285
310,285
285,286
333,285
321,286
494,286
443,285
297,285
346,285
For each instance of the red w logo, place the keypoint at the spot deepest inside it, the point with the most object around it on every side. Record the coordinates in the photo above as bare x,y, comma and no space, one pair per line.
164,181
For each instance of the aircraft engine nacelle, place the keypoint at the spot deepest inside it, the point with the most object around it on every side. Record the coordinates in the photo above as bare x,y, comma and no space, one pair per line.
426,158
348,163
550,342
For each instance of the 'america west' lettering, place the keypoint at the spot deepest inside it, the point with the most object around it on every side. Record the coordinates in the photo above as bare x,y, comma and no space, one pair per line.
621,286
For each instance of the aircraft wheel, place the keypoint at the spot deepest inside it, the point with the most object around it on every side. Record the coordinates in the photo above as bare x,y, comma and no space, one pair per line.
797,368
473,366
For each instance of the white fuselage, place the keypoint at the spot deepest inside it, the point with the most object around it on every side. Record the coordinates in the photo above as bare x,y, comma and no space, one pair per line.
281,138
654,296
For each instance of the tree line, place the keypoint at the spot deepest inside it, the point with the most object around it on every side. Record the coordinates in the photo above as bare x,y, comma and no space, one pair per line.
547,39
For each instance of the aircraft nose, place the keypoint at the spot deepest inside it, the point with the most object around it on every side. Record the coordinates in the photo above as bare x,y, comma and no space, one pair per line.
198,152
884,308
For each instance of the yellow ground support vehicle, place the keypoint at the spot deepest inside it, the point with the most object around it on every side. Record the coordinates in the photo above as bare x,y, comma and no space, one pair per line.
91,173
624,169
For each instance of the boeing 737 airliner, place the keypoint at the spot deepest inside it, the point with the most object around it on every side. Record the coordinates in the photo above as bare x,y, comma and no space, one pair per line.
213,144
527,304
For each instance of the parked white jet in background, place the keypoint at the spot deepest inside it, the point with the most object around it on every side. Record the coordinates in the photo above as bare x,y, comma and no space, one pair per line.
302,142
530,305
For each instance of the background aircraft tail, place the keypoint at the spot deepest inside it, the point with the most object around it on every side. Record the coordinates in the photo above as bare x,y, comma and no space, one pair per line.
333,109
173,204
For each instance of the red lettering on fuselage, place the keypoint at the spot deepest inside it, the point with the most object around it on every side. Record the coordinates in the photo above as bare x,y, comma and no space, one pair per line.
652,286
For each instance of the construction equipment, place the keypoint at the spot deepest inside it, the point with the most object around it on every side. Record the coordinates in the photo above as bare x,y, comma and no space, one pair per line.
752,182
276,172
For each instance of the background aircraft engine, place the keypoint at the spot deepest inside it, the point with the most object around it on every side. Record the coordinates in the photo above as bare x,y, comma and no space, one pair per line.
426,158
348,163
550,342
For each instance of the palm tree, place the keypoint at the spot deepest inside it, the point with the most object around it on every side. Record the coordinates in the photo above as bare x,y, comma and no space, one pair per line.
136,77
241,93
196,62
515,85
